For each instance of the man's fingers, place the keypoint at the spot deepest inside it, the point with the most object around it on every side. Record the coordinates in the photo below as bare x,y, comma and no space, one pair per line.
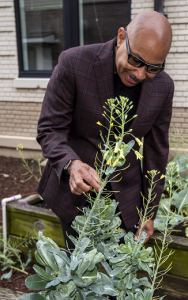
77,186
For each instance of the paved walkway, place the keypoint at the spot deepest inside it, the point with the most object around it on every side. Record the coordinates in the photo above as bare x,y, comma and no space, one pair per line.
6,294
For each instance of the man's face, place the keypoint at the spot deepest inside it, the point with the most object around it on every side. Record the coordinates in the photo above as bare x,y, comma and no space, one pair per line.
143,47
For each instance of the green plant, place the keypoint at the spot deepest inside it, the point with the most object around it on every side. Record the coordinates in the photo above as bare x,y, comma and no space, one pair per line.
11,256
178,185
27,167
79,276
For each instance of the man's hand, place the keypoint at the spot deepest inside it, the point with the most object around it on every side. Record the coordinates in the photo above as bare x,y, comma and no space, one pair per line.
148,228
78,173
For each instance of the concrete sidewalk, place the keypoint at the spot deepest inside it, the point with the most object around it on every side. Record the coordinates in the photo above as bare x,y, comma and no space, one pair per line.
6,294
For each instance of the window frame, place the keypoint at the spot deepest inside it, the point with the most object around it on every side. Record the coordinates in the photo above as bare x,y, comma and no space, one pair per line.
71,34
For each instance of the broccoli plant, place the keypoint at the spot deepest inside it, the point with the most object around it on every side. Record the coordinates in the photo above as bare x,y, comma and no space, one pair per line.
79,276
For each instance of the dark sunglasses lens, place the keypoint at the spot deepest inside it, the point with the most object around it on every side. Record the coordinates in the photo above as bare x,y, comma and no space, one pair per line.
153,70
134,61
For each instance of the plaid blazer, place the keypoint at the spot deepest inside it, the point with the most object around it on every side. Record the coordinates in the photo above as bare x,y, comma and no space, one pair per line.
79,86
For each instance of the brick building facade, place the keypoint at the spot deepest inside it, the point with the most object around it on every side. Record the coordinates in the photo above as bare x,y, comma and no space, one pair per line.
21,98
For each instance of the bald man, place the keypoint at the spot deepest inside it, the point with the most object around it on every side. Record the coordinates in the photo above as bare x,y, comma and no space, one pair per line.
131,65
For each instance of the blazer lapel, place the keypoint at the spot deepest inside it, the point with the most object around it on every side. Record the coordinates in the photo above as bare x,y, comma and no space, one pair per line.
104,73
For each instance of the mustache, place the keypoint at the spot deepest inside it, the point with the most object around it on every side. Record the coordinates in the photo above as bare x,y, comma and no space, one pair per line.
133,77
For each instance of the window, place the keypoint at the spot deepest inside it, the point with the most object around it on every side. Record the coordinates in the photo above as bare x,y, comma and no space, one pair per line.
47,27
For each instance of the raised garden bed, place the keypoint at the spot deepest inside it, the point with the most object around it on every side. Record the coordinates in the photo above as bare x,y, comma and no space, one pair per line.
175,283
23,219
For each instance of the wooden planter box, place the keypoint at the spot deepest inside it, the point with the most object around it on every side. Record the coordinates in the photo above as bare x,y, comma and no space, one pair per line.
175,283
23,219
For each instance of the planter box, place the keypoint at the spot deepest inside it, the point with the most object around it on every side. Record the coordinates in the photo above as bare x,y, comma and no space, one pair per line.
22,219
175,283
179,257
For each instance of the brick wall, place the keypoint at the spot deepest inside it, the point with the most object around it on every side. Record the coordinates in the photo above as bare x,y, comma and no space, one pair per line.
19,108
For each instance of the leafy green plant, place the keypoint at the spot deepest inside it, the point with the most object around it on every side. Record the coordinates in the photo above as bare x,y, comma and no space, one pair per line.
178,199
11,256
79,277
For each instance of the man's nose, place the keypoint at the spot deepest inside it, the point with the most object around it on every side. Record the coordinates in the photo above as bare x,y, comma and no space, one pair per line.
140,73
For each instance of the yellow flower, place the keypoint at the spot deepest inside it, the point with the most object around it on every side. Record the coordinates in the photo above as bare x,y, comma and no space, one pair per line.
162,176
111,124
105,155
116,148
109,162
139,142
115,136
99,123
99,145
167,189
138,155
115,163
121,154
19,147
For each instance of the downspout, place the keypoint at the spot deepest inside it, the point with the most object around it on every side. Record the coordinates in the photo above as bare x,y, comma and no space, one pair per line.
4,216
159,6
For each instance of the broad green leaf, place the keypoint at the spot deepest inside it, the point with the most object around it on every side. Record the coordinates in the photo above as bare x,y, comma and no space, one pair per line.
101,289
148,294
47,256
105,279
61,254
41,237
63,277
36,283
81,246
129,278
97,259
85,262
43,274
53,283
181,162
180,199
39,259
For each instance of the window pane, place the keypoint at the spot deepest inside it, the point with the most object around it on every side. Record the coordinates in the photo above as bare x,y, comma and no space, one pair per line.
101,19
42,33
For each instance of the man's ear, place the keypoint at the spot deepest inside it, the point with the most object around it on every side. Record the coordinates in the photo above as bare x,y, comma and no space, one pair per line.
121,36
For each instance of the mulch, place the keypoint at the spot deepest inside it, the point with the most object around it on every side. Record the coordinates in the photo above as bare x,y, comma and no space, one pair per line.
11,177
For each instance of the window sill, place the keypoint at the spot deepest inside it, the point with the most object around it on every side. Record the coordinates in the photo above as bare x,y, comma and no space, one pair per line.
31,83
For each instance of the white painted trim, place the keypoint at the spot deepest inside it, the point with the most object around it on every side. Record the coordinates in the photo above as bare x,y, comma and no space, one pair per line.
31,83
13,141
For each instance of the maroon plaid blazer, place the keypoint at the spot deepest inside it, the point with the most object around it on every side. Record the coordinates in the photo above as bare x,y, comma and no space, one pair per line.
79,86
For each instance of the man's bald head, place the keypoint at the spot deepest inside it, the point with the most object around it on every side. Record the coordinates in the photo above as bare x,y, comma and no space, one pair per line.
149,36
151,26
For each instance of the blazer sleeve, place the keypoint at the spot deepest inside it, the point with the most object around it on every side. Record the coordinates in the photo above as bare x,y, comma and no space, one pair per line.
156,150
56,116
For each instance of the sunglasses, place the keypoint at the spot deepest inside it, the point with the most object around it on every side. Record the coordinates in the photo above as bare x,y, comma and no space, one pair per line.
138,63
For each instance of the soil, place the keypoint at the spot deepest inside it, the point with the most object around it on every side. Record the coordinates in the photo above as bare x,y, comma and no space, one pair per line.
11,177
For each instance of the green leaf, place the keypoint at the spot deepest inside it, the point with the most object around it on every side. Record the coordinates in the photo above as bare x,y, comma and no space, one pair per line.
43,274
53,283
31,296
63,277
101,289
61,254
36,283
181,162
86,261
43,249
180,199
7,275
